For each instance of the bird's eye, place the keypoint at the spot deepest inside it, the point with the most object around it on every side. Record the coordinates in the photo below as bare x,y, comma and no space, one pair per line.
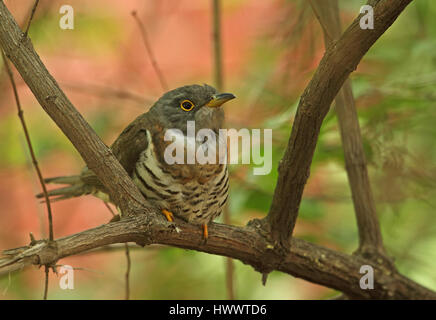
186,105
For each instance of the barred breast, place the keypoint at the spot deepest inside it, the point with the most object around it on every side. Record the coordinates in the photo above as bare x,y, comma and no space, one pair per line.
198,198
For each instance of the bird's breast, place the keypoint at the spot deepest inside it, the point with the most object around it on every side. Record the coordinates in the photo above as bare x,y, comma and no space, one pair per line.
194,192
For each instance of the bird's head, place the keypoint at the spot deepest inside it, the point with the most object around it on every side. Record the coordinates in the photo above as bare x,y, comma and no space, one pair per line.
199,103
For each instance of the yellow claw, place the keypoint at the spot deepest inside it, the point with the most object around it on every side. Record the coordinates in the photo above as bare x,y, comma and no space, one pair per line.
169,215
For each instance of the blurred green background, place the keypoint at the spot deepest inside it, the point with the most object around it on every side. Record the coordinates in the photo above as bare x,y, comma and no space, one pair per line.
270,51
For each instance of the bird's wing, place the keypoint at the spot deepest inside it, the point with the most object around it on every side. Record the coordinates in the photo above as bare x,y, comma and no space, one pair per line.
133,141
126,148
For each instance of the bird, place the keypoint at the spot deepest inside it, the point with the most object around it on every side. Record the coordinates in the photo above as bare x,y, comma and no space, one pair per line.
195,192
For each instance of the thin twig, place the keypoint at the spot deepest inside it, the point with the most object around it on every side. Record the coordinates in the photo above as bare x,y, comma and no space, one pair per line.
81,269
107,92
8,285
32,154
150,51
46,282
31,17
326,31
129,262
29,144
110,209
217,44
218,79
127,275
35,188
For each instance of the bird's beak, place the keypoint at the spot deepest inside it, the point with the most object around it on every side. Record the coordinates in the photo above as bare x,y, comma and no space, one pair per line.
218,99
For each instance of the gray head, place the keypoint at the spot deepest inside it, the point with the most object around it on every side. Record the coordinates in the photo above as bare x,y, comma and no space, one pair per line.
192,103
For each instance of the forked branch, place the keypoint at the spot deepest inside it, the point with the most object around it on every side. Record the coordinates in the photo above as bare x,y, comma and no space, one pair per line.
370,238
340,59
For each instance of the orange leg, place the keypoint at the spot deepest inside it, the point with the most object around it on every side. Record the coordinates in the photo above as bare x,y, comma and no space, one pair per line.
205,232
169,215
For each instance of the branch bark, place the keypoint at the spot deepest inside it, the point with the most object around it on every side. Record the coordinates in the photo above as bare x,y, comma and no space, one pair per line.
370,238
339,60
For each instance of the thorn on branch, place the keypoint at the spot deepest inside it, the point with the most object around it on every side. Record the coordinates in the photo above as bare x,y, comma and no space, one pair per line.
115,218
264,278
32,239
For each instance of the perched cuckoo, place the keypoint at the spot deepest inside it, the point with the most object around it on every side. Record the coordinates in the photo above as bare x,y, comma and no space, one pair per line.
193,191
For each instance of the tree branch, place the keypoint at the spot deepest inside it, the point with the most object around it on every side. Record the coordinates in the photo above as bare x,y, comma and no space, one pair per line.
370,238
94,152
340,59
248,244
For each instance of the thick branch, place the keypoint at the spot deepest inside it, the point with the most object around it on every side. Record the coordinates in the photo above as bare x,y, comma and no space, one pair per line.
308,261
99,158
370,238
339,60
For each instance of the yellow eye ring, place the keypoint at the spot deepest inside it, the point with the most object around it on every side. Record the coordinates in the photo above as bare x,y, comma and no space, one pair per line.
187,105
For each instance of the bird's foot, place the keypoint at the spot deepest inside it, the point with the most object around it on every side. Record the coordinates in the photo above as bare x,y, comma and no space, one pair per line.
169,215
205,233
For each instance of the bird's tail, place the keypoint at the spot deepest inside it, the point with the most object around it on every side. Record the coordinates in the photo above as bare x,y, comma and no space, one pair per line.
75,188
